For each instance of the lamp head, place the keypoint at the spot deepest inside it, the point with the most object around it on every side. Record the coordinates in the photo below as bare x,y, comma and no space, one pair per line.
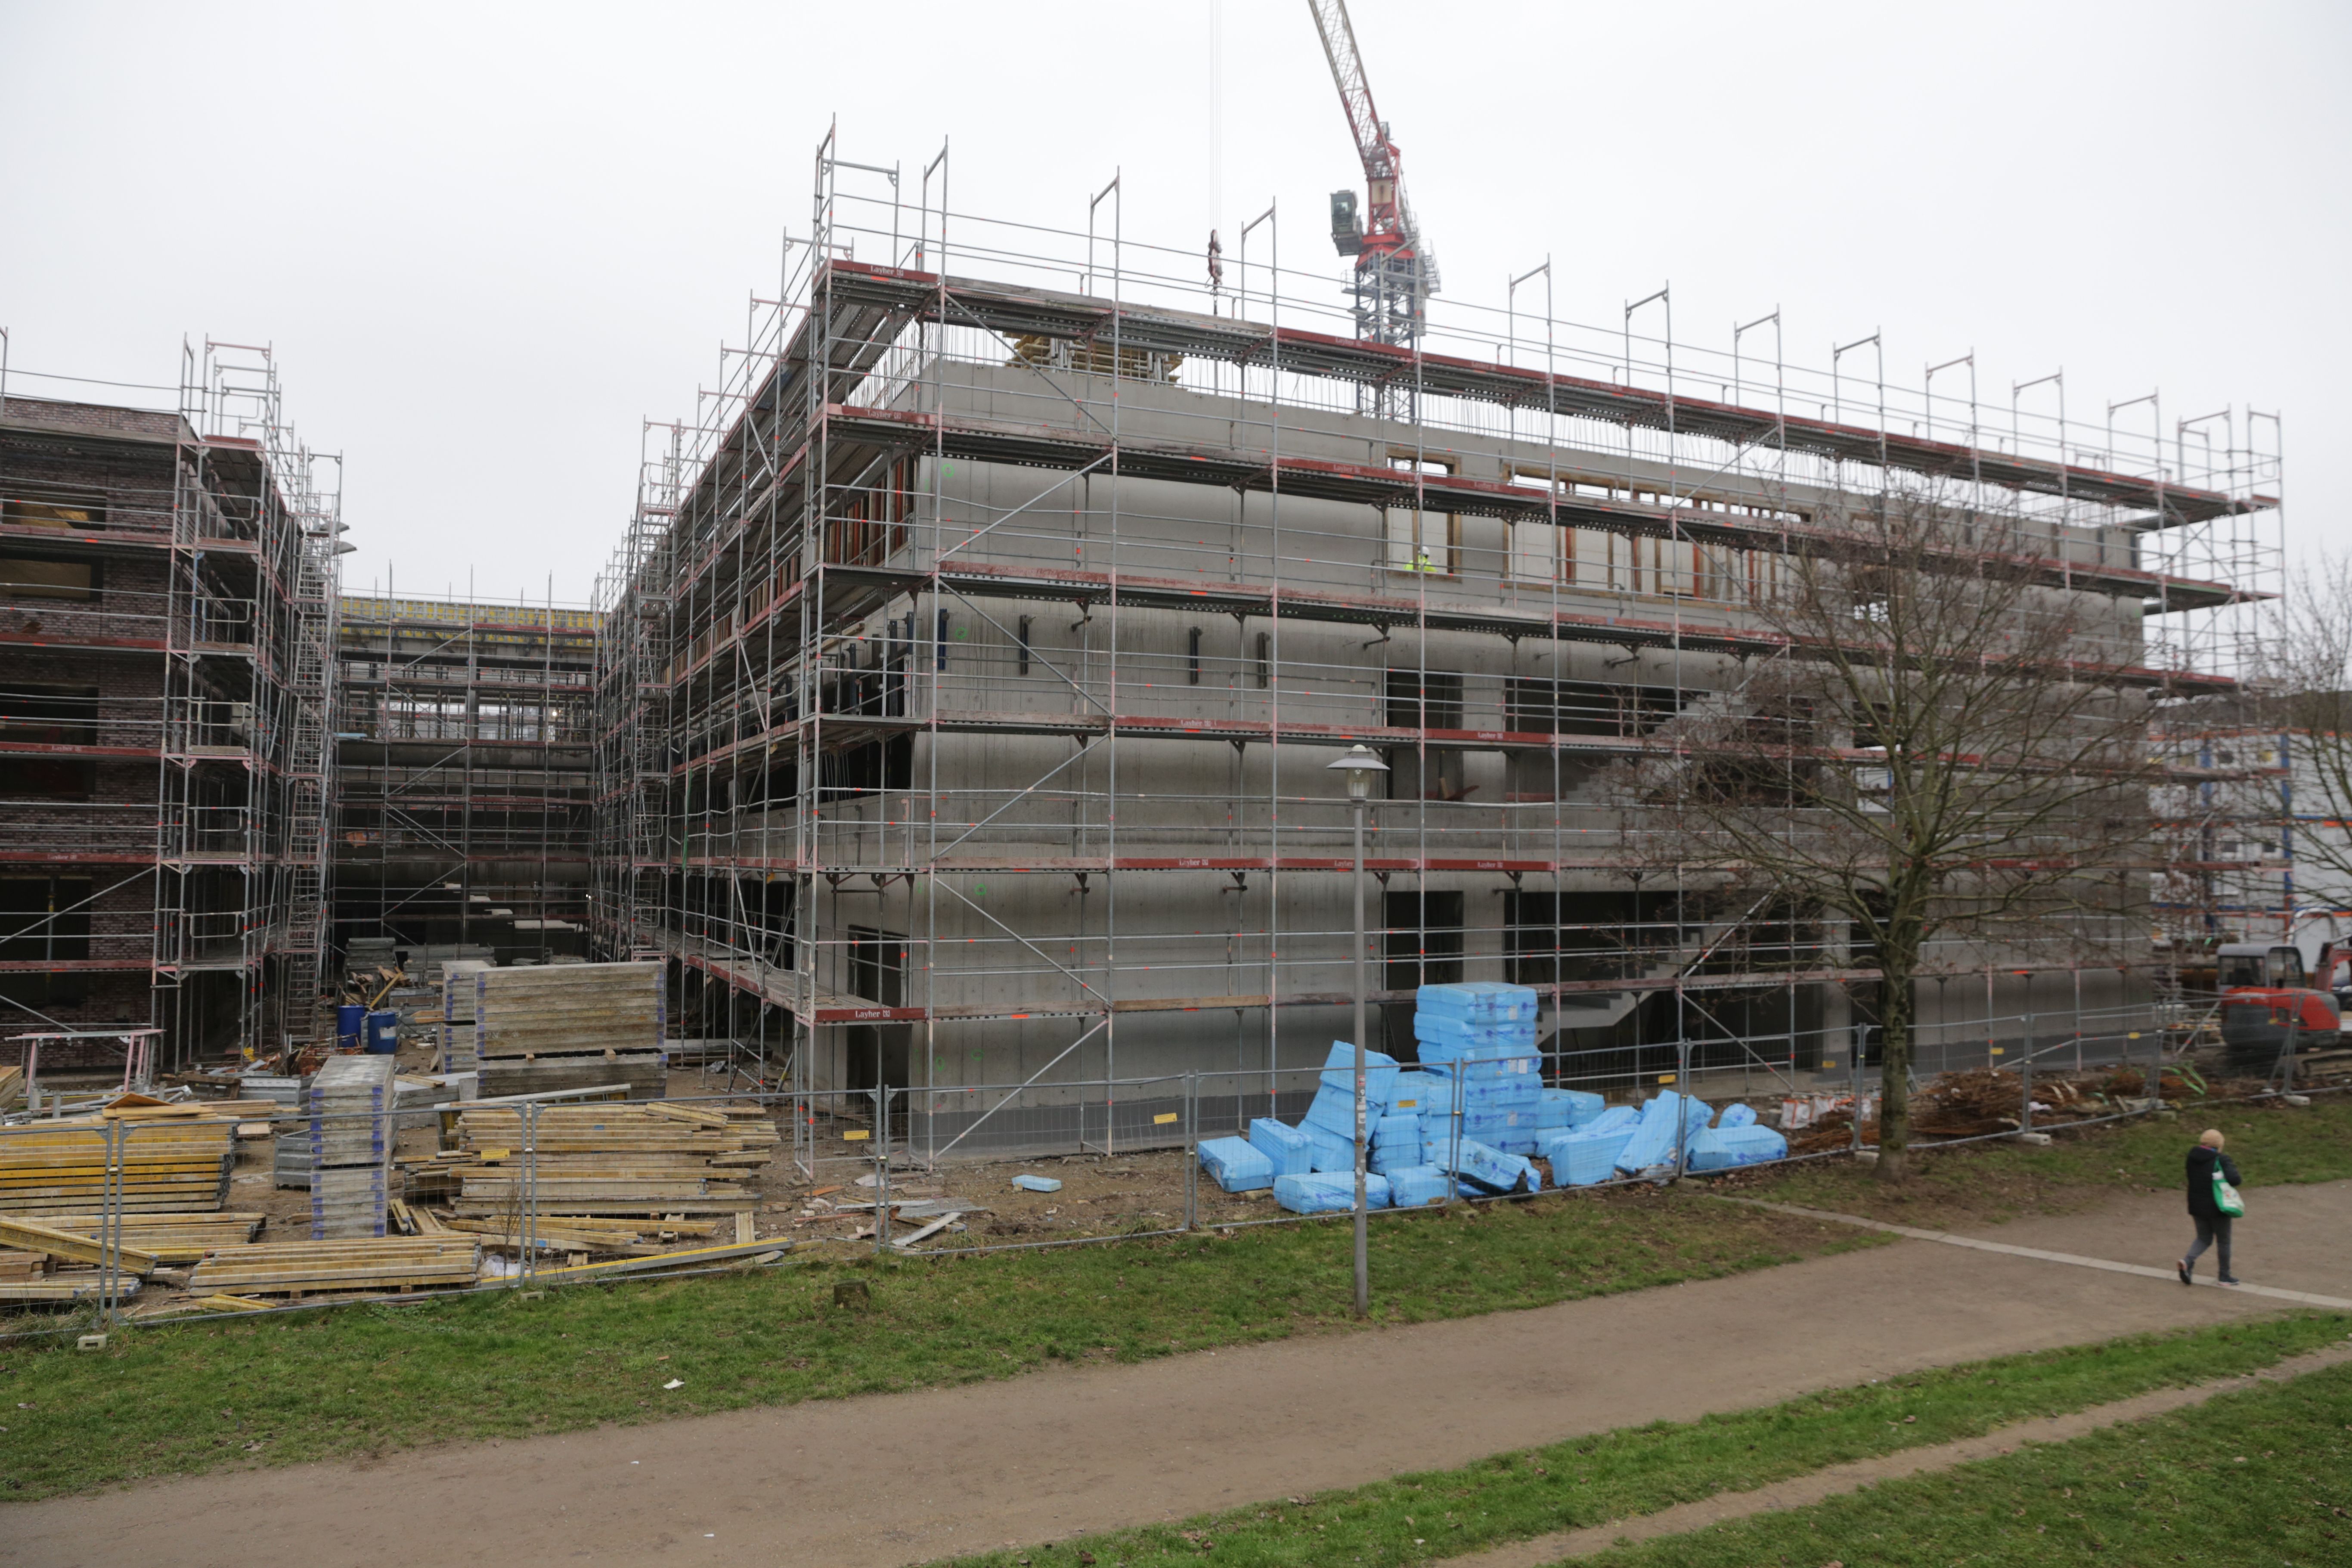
1359,765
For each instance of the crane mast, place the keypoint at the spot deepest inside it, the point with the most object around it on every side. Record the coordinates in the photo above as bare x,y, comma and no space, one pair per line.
1395,274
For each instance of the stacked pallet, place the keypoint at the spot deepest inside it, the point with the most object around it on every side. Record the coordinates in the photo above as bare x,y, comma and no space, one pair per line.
168,1238
457,1013
569,1026
169,1164
350,1101
635,1159
296,1268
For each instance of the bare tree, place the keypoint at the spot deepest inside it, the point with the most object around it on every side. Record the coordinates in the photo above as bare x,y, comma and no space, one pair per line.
2307,688
1947,754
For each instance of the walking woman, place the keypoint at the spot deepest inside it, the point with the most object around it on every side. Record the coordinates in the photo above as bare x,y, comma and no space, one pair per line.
2212,1203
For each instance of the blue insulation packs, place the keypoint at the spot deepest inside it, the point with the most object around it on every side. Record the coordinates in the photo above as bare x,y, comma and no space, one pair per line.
1736,1116
1412,1090
1566,1108
1332,1152
1653,1139
1333,1111
1613,1118
1720,1148
1396,1141
1480,999
1581,1159
1485,1166
1236,1167
1414,1186
1380,1071
1291,1150
1334,1193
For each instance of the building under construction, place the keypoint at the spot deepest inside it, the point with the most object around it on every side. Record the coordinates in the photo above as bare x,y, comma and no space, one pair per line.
462,781
967,681
166,616
956,712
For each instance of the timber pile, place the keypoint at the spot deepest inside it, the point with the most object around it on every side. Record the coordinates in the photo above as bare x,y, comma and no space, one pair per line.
171,1238
350,1101
652,1158
574,1026
170,1164
12,1086
363,1263
68,1285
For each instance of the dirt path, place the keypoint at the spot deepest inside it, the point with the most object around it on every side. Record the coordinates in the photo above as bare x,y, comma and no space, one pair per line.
893,1479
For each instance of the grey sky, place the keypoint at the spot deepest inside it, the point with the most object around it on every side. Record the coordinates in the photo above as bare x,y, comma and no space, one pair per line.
486,241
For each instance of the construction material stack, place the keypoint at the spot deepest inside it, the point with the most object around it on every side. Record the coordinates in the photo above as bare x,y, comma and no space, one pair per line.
457,1013
569,1026
168,1164
1468,1117
350,1101
608,1160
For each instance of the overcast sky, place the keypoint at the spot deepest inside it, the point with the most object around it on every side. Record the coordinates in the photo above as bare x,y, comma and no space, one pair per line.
487,241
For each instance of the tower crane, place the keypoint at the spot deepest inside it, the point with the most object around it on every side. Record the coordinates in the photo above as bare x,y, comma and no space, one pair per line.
1395,273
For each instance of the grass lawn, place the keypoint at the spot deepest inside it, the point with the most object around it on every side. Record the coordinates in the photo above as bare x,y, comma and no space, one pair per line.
366,1379
1981,1183
2262,1476
1636,1470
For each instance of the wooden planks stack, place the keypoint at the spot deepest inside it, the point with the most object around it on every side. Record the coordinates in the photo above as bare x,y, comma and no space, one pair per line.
170,1238
362,1263
350,1101
574,1026
170,1164
636,1159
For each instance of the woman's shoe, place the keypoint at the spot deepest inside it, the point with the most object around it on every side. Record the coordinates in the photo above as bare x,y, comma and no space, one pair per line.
2227,1280
2181,1268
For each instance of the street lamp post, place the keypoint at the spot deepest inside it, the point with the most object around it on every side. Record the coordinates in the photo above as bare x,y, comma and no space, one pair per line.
1359,765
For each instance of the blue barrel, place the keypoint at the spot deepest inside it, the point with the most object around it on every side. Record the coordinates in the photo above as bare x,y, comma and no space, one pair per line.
383,1033
347,1025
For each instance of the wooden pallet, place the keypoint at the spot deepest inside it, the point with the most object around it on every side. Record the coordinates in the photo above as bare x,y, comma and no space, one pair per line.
367,1264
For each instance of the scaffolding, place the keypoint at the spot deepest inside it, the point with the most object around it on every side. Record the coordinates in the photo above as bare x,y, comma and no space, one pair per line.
168,600
462,803
964,679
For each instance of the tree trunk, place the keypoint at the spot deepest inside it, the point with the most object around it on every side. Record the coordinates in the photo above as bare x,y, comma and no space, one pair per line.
1898,961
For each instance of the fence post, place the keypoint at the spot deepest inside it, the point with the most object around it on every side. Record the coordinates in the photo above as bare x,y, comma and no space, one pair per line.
2025,1081
1860,1042
882,1168
1192,1149
110,1222
1682,1105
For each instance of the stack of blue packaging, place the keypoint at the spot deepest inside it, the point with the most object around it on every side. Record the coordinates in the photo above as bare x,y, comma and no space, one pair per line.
1480,1037
1332,1193
1396,1142
1291,1150
1236,1166
1623,1141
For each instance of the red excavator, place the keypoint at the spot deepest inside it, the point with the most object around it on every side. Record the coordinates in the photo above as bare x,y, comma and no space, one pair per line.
2268,994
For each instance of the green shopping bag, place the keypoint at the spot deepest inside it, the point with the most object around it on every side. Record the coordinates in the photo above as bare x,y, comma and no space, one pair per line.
2226,1199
